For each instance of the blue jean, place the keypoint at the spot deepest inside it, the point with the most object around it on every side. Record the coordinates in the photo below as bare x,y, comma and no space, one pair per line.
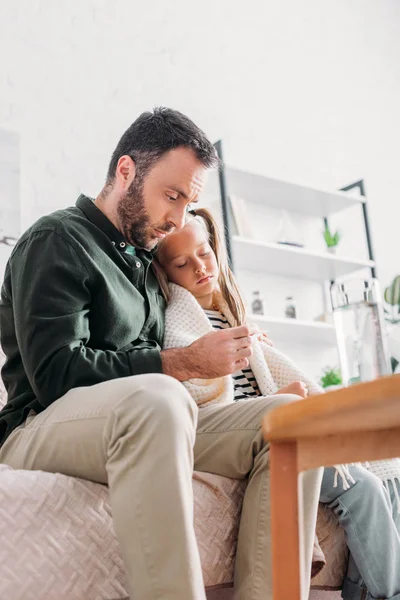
367,511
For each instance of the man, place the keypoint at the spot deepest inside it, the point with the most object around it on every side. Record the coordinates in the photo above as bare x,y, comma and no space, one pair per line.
90,392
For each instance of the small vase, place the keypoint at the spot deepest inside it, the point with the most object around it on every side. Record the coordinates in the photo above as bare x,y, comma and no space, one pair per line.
332,249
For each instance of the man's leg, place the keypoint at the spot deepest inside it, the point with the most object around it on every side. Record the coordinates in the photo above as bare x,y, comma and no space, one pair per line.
229,442
365,513
137,435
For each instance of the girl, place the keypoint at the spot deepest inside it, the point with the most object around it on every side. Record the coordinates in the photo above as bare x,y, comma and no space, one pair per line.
203,295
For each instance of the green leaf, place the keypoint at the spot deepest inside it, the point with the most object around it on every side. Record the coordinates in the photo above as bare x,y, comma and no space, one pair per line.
392,293
394,363
331,240
331,377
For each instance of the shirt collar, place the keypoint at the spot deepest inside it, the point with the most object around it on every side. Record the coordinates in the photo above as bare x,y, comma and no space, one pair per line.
96,216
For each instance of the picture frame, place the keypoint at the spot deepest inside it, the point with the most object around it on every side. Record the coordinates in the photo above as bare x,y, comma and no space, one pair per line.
241,221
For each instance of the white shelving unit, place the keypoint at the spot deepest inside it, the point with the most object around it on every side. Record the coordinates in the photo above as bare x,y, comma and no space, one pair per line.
294,330
257,258
289,261
283,194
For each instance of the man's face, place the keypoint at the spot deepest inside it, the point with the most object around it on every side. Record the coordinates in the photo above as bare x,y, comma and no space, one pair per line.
154,206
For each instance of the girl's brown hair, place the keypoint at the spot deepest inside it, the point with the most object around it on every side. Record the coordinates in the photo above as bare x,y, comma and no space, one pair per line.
226,279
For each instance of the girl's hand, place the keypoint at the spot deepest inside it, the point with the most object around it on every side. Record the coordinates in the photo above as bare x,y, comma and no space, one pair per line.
297,387
262,336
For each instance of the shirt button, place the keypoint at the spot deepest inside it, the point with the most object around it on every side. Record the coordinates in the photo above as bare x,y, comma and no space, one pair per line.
122,245
138,264
113,243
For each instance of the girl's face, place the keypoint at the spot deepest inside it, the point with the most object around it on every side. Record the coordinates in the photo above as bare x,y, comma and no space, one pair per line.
189,261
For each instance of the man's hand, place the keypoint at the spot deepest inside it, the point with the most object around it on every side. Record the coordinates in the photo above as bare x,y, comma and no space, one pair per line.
216,354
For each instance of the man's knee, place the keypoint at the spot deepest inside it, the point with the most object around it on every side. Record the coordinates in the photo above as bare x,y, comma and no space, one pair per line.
160,399
280,399
169,394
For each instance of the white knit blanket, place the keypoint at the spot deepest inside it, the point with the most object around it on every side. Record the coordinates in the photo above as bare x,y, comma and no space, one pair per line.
186,321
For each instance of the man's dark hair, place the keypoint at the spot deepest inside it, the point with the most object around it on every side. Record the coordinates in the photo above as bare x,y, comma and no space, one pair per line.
155,133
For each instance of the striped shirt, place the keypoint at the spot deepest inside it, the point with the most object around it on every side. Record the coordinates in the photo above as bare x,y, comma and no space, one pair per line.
244,382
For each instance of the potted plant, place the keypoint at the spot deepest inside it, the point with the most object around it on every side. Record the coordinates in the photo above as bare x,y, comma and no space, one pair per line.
331,379
392,316
331,239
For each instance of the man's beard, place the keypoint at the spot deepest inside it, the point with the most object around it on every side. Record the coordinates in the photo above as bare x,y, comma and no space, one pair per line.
134,219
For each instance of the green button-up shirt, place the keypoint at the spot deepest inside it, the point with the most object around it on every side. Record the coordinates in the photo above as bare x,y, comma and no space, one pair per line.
76,309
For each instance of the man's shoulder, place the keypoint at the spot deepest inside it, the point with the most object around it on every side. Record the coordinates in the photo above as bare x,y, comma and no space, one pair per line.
68,223
60,221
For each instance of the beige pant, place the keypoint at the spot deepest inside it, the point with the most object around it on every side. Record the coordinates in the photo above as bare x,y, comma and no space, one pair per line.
143,436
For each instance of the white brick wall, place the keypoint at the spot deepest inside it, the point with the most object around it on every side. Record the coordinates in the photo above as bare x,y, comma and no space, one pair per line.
307,91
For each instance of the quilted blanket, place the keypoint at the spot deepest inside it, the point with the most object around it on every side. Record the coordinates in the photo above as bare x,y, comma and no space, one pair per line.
62,545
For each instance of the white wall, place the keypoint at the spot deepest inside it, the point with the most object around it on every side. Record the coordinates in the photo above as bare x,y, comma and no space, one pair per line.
307,91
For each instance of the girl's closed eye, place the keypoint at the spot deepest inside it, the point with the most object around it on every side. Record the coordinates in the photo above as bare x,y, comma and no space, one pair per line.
189,260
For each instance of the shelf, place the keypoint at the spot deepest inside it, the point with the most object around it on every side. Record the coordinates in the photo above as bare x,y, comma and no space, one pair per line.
294,330
287,261
282,194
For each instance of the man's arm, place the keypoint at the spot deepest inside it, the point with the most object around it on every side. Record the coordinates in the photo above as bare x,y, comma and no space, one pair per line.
216,354
51,292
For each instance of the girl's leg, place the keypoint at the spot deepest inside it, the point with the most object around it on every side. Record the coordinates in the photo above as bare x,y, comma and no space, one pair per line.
364,511
394,493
